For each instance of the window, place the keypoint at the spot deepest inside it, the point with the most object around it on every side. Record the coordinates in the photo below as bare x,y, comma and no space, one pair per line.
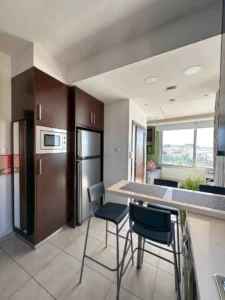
204,148
188,147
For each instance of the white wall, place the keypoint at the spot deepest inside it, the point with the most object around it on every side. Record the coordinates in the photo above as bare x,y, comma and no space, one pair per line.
117,142
137,115
184,31
116,135
5,145
36,56
179,173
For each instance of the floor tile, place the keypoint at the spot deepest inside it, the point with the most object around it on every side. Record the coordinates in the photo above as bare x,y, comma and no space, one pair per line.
164,286
5,260
7,238
12,279
93,286
124,295
58,274
106,256
76,248
140,282
16,248
34,261
97,230
32,291
164,265
65,237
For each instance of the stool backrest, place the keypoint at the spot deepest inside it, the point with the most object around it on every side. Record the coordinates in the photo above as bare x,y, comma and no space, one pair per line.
95,192
170,183
212,189
150,218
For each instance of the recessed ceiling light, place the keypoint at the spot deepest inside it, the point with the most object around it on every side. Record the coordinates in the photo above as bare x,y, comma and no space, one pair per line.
150,80
170,88
193,70
172,100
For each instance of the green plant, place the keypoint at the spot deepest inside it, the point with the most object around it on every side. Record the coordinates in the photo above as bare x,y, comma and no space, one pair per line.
190,184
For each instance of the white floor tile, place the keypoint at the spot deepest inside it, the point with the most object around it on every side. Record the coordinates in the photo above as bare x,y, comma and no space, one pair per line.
16,248
7,238
32,291
124,295
164,286
12,279
164,265
58,274
93,286
34,261
65,237
76,248
140,282
5,260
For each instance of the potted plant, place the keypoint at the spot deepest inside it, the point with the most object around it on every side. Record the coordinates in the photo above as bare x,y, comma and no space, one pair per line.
190,183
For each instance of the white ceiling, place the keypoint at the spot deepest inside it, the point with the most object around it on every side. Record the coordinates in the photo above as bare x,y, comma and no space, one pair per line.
128,82
72,29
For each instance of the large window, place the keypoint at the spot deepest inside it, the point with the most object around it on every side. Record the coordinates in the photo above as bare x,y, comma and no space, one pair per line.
188,147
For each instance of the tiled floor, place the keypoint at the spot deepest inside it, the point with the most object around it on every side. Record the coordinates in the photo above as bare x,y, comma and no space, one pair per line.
52,271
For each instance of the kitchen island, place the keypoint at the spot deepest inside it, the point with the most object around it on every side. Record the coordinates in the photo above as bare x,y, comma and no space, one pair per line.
206,225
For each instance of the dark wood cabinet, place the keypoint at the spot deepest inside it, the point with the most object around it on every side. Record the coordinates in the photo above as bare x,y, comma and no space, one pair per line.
88,110
51,101
51,195
45,101
150,144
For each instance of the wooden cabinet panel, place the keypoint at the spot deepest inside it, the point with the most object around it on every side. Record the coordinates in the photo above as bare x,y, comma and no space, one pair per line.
89,111
83,104
52,98
52,205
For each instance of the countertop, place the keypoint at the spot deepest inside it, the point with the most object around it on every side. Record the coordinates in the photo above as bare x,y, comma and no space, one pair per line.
208,250
191,201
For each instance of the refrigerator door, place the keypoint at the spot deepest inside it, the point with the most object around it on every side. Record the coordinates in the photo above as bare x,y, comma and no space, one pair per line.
89,143
89,173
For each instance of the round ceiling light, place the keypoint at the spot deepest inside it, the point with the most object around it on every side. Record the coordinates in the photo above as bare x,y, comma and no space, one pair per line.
150,80
193,70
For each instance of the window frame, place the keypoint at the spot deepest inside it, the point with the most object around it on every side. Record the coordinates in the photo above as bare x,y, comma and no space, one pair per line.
194,151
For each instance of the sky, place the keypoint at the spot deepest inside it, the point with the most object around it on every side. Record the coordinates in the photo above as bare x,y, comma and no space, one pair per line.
186,136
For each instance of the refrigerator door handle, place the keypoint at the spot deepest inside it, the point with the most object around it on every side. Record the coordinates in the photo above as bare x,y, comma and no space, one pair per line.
79,193
78,143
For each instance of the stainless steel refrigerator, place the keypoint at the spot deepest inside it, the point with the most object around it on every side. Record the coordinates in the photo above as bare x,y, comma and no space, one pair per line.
88,170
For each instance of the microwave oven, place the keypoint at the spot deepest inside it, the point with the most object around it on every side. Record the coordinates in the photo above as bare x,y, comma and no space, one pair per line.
50,140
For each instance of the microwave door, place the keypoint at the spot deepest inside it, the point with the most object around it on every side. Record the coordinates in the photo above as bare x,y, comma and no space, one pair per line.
89,143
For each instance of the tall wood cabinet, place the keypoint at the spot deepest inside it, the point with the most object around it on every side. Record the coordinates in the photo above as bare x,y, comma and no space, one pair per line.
42,100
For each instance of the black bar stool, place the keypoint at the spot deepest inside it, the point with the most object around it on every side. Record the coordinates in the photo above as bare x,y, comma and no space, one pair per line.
113,212
172,210
154,225
213,189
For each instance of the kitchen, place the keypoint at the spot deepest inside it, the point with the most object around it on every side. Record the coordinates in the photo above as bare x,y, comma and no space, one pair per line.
66,139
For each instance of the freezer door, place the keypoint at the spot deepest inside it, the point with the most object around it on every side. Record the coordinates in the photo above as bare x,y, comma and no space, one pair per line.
89,173
89,143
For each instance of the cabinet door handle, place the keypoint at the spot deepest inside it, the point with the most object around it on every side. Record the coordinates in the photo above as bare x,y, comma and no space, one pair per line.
94,119
40,166
39,112
90,117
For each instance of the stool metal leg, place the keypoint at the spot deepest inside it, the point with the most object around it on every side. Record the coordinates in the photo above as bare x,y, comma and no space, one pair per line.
118,262
177,283
106,235
85,248
178,247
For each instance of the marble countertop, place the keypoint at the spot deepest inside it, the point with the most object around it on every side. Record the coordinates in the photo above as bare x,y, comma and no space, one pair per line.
208,250
195,202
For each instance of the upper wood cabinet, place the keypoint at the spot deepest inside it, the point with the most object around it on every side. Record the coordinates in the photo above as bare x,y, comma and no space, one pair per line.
51,101
88,110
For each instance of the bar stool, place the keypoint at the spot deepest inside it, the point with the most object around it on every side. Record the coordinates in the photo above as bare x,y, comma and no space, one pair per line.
113,212
155,225
172,210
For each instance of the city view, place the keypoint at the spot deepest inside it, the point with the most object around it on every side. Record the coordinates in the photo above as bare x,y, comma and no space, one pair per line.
176,152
